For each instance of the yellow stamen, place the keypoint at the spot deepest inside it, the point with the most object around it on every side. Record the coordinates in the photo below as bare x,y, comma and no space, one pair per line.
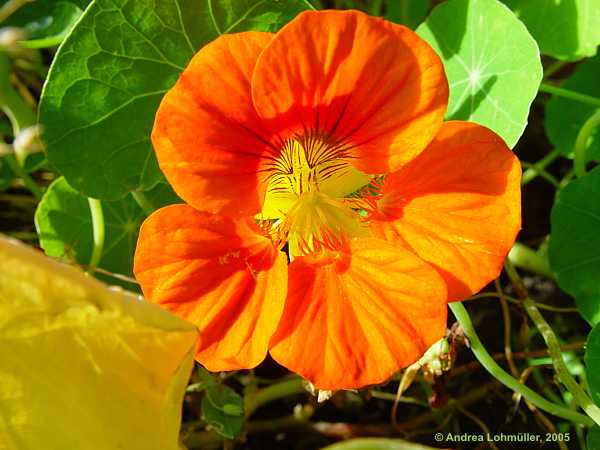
303,204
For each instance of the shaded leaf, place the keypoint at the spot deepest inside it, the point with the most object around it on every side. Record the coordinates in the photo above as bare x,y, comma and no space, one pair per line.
564,117
574,248
64,225
592,364
567,29
593,438
6,175
83,366
46,22
493,79
110,74
223,408
407,12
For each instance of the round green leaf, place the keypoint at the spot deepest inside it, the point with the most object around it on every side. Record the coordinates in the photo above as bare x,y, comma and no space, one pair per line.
567,29
491,61
574,248
564,117
64,225
111,72
592,364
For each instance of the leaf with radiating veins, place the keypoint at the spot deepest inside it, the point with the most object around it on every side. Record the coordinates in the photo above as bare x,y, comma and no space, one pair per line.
492,63
111,73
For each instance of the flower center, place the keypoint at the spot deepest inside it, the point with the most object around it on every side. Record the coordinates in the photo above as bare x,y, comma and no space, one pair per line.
305,185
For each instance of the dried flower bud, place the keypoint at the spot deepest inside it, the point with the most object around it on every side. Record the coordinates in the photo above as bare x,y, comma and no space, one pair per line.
9,39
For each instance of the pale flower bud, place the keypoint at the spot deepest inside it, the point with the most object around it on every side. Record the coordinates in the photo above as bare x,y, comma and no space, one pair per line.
28,141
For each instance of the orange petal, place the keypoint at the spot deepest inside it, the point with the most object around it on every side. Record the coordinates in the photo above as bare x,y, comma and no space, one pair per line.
457,205
356,319
207,136
221,275
369,83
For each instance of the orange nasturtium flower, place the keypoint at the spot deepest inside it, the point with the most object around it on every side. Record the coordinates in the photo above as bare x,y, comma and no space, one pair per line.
331,213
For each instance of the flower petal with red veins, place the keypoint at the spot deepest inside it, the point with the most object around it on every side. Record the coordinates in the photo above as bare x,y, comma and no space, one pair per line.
457,205
208,139
372,84
356,319
219,274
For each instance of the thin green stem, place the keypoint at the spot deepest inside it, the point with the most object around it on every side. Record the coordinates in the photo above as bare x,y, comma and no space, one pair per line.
310,4
528,259
567,178
486,360
143,202
536,168
579,394
19,171
571,95
98,232
19,113
21,116
273,392
581,143
540,172
553,68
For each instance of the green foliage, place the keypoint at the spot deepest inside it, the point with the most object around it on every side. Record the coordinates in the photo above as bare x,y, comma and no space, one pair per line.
593,438
574,247
567,30
565,117
493,79
407,12
64,225
592,363
98,108
223,408
83,366
6,175
111,72
46,21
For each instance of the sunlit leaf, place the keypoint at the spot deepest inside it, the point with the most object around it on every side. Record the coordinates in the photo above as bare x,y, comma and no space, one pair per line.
574,247
64,225
492,63
564,117
83,366
111,72
592,364
223,408
566,29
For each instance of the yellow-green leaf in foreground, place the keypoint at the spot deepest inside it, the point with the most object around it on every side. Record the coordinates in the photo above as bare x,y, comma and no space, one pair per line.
82,366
